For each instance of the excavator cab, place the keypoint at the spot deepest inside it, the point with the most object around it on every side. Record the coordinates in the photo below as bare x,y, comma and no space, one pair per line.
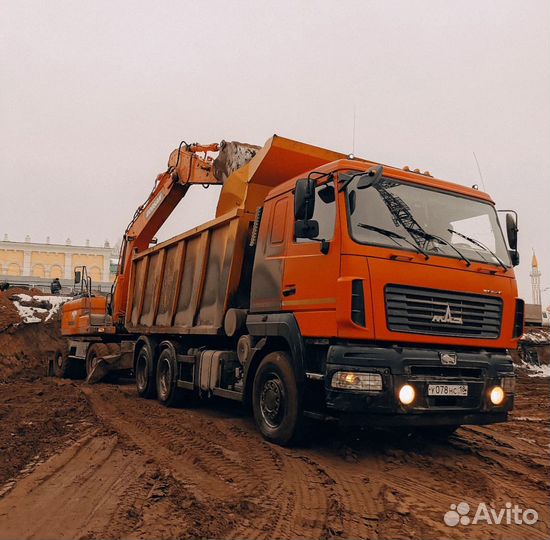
86,313
82,282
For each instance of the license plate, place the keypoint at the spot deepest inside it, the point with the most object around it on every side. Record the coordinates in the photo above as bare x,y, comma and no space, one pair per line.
447,389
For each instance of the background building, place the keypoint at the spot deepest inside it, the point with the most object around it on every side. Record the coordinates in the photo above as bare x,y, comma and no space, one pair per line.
31,263
534,314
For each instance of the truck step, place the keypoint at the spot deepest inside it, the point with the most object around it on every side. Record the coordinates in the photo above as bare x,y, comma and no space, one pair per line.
229,394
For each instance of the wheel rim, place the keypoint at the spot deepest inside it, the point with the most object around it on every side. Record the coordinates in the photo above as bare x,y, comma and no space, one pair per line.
141,370
165,377
59,360
272,401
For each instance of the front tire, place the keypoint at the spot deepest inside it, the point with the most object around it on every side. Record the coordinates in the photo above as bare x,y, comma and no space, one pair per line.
276,401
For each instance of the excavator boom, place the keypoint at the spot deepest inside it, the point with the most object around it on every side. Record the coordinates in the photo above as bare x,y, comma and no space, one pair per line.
186,167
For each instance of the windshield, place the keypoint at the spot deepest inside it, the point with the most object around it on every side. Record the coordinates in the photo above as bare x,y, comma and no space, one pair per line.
397,214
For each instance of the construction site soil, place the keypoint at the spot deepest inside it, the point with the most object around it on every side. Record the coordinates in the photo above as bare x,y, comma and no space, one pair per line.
81,461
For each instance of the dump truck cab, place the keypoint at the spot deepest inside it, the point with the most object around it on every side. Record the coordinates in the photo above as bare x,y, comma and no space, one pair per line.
401,290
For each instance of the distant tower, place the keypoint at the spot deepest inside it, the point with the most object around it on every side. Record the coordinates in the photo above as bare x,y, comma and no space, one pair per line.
535,280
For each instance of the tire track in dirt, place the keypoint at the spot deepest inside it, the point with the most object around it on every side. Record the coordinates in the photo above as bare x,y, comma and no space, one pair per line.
387,487
134,424
144,471
235,469
427,480
74,491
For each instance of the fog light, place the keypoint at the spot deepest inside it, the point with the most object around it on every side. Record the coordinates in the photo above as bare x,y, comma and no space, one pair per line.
508,384
497,395
406,394
352,380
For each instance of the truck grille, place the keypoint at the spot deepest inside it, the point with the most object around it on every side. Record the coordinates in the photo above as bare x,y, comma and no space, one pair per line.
412,310
430,371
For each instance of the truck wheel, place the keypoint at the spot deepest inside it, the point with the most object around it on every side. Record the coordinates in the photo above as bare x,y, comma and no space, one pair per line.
145,372
168,392
95,352
275,400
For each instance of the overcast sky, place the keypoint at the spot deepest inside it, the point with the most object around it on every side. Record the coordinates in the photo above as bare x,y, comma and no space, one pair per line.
94,96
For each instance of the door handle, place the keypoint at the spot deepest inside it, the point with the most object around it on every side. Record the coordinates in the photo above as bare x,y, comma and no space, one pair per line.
289,290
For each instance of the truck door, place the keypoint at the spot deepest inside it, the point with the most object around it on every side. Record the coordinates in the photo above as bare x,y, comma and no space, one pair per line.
310,276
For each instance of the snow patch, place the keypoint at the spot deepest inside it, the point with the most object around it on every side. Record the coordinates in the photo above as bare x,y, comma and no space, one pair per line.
29,313
534,371
536,336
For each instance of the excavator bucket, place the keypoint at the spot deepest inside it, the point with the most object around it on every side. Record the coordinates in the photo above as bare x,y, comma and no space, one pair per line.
103,367
98,373
276,162
232,156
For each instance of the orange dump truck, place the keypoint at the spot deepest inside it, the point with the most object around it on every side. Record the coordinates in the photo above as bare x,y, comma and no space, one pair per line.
327,287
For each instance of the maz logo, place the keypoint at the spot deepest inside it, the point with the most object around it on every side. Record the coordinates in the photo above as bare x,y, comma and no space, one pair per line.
447,318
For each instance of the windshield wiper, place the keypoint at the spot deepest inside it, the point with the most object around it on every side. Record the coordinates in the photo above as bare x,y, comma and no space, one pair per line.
482,246
430,236
393,236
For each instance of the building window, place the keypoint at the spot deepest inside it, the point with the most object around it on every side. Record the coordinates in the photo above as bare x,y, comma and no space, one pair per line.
14,269
95,274
38,270
56,271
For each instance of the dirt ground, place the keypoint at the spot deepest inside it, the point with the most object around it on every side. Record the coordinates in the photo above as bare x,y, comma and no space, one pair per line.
81,461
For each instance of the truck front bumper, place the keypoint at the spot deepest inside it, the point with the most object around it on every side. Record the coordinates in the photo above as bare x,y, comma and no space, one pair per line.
479,370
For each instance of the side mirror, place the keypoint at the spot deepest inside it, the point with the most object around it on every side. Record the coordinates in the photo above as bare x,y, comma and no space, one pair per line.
77,277
306,228
304,199
512,232
371,177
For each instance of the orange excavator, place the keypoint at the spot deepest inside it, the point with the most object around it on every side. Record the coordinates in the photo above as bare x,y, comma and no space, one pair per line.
96,323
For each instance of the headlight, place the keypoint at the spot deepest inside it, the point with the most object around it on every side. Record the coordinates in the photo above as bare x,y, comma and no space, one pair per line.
406,394
497,395
353,380
508,384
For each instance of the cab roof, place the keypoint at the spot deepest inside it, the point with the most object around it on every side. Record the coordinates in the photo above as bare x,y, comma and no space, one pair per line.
411,177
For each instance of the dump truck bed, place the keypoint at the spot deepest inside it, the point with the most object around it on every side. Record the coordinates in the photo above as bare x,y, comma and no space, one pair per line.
186,284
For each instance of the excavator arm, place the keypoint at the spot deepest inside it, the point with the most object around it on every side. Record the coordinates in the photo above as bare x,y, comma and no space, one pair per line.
188,165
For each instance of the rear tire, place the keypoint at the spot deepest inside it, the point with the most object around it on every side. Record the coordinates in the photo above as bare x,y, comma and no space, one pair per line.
168,392
145,372
95,352
276,401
